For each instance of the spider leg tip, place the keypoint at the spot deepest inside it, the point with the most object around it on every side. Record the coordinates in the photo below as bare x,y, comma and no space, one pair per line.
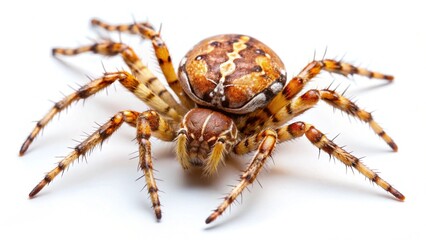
394,147
390,78
398,195
33,193
95,21
208,220
37,189
23,149
211,218
54,51
158,215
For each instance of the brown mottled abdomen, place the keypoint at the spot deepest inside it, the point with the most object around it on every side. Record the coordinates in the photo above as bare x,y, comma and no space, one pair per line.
234,73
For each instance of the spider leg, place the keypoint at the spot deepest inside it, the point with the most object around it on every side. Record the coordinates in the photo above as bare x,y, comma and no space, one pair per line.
84,147
284,133
322,142
126,79
151,121
338,101
251,121
298,129
266,145
145,123
139,70
124,28
145,30
311,98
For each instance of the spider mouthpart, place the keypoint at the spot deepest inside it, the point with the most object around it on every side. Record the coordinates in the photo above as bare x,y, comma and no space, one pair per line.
209,135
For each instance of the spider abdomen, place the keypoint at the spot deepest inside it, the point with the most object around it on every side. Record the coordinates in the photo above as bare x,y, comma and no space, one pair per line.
234,73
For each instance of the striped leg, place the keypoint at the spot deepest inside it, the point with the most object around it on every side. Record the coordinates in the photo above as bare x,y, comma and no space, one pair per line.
284,133
322,142
93,140
338,101
147,122
249,123
289,132
124,28
311,98
317,138
139,70
161,51
126,79
264,149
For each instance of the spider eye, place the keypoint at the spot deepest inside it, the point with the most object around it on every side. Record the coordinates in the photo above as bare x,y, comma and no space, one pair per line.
260,51
215,44
257,68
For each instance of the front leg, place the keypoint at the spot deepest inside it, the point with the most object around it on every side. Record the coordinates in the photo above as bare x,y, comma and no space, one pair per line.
151,121
146,123
264,150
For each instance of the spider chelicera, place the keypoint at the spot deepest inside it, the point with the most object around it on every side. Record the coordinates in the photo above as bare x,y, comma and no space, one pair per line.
232,98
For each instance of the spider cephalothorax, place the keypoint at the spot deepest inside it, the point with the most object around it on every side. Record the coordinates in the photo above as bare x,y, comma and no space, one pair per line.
232,98
203,138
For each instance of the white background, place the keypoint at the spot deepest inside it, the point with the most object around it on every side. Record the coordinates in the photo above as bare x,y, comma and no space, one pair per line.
302,196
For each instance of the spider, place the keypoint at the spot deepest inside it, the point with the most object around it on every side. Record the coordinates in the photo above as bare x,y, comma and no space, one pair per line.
231,96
